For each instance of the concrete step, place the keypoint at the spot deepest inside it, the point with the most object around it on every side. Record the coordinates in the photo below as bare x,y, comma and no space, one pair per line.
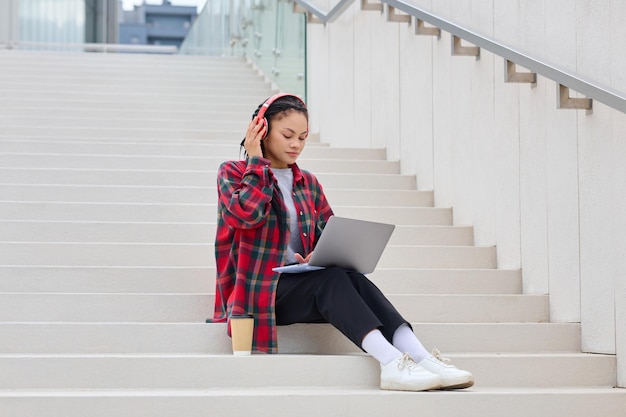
316,401
196,308
190,338
112,106
120,64
25,108
246,94
68,231
41,132
87,372
63,57
184,178
197,213
202,254
139,96
116,65
122,101
181,280
447,281
190,148
168,72
156,70
236,77
195,195
168,123
239,80
39,161
207,86
146,94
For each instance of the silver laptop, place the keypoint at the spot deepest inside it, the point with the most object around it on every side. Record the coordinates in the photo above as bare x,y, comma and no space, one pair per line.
351,244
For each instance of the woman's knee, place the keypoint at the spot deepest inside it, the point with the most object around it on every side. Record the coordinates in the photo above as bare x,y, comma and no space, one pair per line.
334,278
361,282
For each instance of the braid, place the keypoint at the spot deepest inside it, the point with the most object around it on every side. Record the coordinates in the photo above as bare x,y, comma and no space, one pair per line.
244,139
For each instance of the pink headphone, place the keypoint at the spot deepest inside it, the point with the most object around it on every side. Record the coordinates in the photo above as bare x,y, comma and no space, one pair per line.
261,114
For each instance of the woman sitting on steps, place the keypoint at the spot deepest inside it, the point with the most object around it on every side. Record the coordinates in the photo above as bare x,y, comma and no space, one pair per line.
271,213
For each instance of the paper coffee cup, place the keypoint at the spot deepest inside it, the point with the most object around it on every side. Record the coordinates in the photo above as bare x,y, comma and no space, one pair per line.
241,329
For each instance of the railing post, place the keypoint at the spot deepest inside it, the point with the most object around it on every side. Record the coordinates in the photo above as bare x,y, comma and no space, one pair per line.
512,76
392,16
297,8
564,101
422,29
365,5
459,49
310,18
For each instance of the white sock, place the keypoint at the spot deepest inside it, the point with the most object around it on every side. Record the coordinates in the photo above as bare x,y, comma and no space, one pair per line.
405,340
376,345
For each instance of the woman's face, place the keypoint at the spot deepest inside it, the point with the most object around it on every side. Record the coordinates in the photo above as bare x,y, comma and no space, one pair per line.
286,139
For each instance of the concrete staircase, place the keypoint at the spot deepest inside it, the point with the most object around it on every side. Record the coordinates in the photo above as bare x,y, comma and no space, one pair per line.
107,217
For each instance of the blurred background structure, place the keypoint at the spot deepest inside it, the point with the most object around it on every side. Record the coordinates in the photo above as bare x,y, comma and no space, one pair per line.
267,34
149,24
30,22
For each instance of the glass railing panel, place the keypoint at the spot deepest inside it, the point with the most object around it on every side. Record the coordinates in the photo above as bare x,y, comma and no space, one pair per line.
68,25
59,21
267,32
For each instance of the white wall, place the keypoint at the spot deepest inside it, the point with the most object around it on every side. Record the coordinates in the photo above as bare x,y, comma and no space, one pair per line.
547,186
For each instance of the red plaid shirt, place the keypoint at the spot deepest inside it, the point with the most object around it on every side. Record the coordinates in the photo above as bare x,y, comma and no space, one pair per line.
252,238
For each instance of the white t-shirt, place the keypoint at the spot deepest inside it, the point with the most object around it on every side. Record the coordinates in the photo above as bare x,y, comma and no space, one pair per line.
285,183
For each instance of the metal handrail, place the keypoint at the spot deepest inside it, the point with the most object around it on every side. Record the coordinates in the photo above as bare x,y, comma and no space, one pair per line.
560,75
329,17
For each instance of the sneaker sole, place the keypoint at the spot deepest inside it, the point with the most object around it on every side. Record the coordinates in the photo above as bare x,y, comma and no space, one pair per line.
460,385
392,386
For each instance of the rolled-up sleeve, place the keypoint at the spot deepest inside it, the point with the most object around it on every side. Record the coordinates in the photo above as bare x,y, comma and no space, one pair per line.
245,196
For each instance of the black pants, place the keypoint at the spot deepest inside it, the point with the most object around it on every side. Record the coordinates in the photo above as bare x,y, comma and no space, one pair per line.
347,300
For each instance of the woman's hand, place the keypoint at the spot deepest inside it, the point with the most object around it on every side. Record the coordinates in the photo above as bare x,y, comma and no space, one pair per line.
254,136
302,260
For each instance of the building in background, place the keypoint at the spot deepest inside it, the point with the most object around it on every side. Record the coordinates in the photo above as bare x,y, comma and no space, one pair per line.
161,24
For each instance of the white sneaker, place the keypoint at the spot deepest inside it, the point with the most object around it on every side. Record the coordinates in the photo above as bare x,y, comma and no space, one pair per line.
451,377
404,374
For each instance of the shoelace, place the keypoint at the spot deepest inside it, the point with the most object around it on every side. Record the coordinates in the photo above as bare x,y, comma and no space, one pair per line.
407,362
437,355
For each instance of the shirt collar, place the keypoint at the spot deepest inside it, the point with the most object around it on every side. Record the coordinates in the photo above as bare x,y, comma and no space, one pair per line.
297,174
